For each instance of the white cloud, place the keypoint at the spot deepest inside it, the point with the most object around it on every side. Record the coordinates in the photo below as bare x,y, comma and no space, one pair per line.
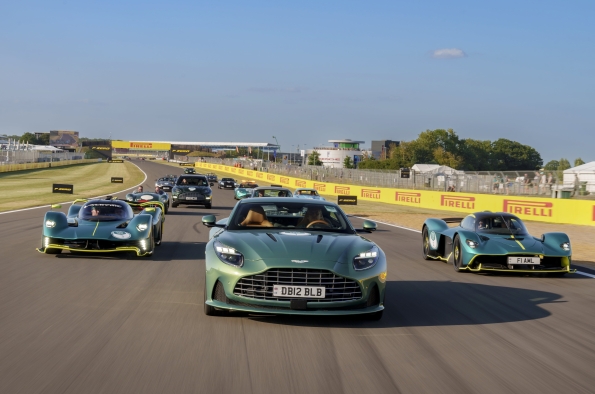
448,53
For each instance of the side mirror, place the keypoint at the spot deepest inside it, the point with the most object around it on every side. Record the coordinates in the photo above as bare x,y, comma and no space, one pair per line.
368,226
209,220
56,206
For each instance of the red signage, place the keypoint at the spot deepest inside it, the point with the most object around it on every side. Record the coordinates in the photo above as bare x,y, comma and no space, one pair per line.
530,208
300,183
414,198
342,190
321,187
371,193
453,201
284,180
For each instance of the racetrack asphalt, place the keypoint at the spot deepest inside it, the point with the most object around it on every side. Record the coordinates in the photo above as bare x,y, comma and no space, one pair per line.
82,324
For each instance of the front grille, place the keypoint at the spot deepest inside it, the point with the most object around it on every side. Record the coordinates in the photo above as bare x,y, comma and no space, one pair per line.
501,262
199,196
98,244
260,286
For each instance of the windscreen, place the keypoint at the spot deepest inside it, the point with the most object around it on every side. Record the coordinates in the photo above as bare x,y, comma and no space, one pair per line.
105,212
499,224
192,181
272,193
310,192
226,179
291,215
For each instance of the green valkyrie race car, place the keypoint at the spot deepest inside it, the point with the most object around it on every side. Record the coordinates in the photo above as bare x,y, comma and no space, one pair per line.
138,200
244,190
102,226
495,241
288,256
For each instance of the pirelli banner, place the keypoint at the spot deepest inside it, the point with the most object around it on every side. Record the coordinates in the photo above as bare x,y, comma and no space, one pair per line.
148,146
549,210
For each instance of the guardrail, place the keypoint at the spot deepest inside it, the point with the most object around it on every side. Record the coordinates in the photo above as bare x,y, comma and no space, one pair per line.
33,166
547,210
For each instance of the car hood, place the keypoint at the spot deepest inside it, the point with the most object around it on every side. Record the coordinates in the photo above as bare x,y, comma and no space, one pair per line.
305,247
94,230
508,244
194,189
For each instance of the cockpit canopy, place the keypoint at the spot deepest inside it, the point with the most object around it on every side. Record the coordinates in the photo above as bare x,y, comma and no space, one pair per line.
105,210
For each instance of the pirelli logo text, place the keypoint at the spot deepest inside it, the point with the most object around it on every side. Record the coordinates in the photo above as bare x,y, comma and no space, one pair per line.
141,145
451,201
594,213
240,171
299,183
233,169
371,193
321,187
413,198
260,175
284,180
342,190
529,208
270,177
220,167
250,173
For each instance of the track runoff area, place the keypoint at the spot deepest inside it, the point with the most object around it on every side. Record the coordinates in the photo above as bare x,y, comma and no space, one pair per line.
73,324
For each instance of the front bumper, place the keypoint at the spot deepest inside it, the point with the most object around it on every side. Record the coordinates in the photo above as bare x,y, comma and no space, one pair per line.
288,311
498,263
139,252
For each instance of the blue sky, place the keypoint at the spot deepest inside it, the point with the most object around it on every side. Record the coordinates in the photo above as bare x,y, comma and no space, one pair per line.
304,71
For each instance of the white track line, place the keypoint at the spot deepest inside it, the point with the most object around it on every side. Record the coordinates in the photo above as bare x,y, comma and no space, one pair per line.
68,202
417,231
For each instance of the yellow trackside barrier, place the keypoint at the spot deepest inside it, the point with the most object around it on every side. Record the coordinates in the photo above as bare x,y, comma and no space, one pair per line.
549,210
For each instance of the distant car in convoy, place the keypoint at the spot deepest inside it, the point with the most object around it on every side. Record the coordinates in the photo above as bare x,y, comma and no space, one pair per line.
227,183
140,199
189,170
244,189
495,241
292,256
103,225
270,191
192,190
165,183
308,193
212,177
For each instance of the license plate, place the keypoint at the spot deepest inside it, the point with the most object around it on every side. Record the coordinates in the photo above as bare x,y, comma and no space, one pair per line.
298,291
524,260
166,188
191,198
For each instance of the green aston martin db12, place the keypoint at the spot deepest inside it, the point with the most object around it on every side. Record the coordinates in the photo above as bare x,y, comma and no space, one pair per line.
290,256
495,241
101,226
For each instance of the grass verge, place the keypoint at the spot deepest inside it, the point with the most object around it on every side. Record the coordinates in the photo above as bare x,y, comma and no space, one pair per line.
33,188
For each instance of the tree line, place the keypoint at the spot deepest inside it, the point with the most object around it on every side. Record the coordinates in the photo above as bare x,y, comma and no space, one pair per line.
445,147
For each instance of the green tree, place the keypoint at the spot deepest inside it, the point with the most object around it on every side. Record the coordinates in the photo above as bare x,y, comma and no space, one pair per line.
578,162
44,139
552,165
314,159
512,156
347,163
476,154
28,137
564,164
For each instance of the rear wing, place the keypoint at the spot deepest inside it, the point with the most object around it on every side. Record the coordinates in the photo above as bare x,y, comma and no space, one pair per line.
452,220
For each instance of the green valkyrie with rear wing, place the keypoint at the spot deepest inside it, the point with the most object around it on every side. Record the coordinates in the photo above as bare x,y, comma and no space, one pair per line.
103,226
290,256
495,241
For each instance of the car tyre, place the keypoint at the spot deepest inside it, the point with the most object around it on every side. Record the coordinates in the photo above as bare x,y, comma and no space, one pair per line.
160,238
374,316
174,205
457,255
425,244
209,310
209,206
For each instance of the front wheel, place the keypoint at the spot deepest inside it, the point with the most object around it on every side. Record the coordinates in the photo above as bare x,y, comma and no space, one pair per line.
159,238
208,206
425,244
174,205
458,255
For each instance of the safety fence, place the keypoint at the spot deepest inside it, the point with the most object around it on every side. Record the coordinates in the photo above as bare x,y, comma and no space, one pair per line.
538,209
33,166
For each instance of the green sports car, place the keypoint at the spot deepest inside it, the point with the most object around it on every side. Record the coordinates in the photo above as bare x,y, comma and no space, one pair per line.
103,226
244,190
495,241
290,256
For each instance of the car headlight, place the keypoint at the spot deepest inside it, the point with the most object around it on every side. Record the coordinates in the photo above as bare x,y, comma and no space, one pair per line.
228,255
50,223
366,259
472,244
142,226
565,246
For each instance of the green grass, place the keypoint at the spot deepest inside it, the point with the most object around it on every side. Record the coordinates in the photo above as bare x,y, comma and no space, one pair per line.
30,188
